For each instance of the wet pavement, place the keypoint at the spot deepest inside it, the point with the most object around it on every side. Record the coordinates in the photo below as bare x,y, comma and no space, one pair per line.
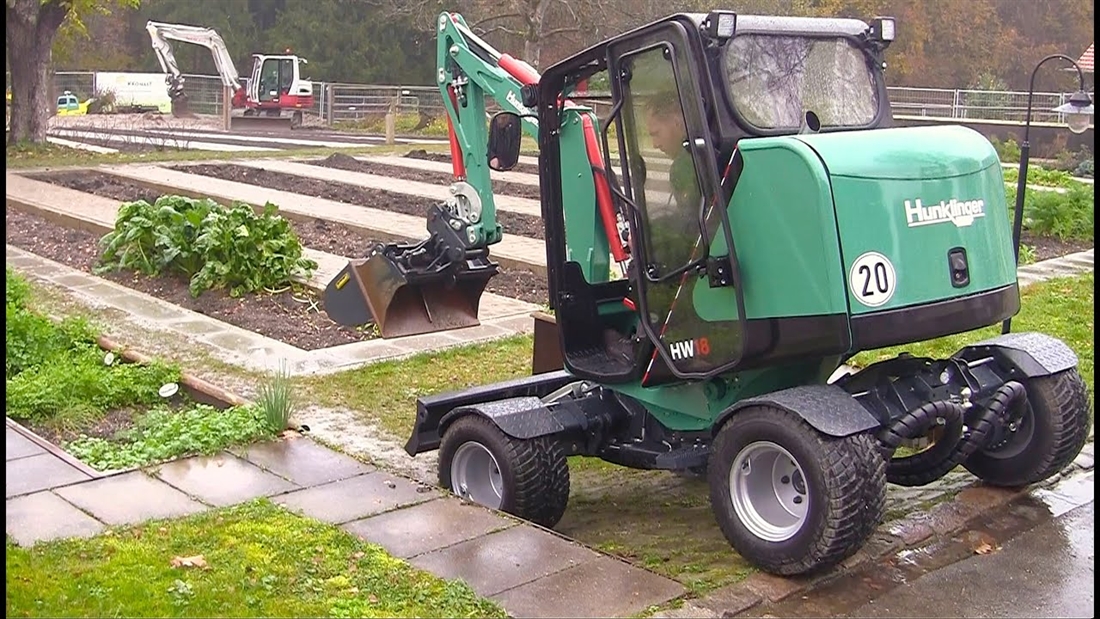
1033,557
1046,572
529,570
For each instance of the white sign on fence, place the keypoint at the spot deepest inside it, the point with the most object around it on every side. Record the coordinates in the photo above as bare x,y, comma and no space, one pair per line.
143,90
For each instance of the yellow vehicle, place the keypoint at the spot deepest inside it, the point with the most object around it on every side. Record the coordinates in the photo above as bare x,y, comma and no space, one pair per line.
69,105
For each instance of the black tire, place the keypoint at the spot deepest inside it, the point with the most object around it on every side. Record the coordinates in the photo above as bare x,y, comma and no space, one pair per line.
845,482
296,120
534,473
873,471
1054,428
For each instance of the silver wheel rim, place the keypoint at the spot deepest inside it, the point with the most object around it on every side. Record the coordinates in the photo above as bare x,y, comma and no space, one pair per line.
768,491
475,475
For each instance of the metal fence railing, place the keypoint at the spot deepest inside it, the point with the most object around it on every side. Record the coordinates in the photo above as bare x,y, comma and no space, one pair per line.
340,102
977,104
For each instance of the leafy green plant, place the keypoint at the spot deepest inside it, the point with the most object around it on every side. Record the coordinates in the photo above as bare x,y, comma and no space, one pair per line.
1067,160
1042,177
163,434
76,384
56,373
277,401
1027,254
212,245
1066,215
1008,150
32,339
1084,169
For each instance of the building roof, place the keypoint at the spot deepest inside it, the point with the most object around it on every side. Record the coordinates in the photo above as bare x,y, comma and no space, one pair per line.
1085,61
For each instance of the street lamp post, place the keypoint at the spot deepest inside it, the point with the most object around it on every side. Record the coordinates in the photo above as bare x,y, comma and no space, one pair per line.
1078,111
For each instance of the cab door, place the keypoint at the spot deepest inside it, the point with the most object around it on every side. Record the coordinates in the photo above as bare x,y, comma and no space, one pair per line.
684,267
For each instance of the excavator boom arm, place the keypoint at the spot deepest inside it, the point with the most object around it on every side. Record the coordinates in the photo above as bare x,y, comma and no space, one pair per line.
468,71
161,33
436,284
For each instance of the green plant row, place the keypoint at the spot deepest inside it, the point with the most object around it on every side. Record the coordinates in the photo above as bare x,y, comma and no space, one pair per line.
1067,215
1043,177
213,245
1078,163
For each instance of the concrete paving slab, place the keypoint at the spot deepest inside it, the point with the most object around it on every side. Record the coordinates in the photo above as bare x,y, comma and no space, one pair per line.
44,516
512,251
417,189
358,497
40,472
602,587
74,280
18,446
222,480
195,326
445,167
148,308
429,526
304,461
499,561
130,498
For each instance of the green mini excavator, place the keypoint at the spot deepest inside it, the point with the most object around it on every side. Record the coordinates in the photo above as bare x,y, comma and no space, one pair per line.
738,221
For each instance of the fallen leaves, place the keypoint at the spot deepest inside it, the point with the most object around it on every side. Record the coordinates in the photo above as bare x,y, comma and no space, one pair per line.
984,548
194,561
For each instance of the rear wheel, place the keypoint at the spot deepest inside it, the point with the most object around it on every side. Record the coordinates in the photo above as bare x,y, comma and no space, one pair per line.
296,120
789,498
1051,428
526,478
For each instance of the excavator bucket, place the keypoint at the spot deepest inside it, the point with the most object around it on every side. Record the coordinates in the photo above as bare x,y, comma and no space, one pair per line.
376,289
181,107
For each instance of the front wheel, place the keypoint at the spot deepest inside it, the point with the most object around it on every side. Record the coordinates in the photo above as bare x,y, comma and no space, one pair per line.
525,478
1048,434
790,499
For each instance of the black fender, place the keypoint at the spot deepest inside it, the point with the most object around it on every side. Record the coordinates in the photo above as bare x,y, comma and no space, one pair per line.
827,408
525,417
1030,354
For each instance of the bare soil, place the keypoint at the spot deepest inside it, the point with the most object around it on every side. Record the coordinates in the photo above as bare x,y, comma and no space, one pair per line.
341,161
284,316
1047,247
111,426
422,154
314,233
514,223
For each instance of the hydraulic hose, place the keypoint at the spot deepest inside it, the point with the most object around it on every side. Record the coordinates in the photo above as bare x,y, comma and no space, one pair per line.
937,461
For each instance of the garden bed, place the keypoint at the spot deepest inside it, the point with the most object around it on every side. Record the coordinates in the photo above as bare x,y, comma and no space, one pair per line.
515,224
284,316
317,234
104,410
341,161
526,168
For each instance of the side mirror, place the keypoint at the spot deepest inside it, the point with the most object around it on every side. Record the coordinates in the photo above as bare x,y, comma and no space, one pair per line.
505,131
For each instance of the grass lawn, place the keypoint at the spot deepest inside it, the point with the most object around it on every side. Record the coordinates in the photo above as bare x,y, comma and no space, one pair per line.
385,394
1062,308
250,560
